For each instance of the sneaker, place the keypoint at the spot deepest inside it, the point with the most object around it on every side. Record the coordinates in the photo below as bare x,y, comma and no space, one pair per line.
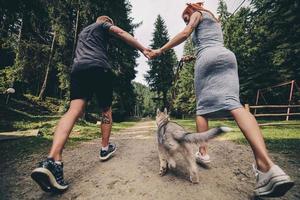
202,159
49,176
274,183
105,155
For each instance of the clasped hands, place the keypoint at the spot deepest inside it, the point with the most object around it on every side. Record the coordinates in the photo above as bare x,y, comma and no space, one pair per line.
152,53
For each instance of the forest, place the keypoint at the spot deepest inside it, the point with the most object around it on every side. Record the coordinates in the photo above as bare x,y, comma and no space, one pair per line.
38,39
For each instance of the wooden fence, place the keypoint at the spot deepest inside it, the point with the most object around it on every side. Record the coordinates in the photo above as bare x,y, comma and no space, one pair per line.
287,114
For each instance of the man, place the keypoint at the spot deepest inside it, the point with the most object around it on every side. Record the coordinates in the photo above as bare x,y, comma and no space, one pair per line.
91,74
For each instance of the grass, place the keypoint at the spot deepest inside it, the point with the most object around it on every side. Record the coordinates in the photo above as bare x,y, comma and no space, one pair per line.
282,139
27,113
21,148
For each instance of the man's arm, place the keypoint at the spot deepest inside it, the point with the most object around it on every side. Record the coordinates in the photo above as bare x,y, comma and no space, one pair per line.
129,39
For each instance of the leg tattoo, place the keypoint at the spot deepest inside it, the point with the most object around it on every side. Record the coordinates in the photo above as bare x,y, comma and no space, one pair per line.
106,119
106,116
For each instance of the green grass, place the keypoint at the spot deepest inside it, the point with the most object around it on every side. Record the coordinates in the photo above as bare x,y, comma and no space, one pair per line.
28,112
283,139
22,148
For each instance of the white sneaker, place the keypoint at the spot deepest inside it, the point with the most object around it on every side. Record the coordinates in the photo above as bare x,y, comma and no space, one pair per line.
202,159
273,183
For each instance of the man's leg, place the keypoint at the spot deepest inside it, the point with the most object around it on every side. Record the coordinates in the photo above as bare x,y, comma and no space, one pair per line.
272,181
106,125
64,128
49,173
107,148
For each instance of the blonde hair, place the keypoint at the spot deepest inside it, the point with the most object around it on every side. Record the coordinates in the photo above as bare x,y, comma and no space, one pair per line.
193,7
104,18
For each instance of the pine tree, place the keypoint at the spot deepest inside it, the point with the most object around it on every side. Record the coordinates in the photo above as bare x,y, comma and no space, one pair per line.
261,40
185,101
144,100
160,75
223,11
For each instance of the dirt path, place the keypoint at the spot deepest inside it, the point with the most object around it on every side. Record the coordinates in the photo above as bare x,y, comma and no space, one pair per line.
133,172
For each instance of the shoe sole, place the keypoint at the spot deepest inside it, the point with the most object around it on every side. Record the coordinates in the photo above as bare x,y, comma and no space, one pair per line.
44,178
108,155
278,188
203,162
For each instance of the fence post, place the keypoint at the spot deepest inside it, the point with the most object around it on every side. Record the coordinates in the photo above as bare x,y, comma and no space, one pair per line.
256,102
290,99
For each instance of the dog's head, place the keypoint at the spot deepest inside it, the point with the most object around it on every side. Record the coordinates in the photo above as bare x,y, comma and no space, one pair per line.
161,117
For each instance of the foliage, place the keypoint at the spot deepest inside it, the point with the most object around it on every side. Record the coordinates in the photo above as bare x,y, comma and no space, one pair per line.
266,51
26,33
144,100
184,100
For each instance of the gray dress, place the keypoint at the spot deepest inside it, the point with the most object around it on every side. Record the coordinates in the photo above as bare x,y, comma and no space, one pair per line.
216,74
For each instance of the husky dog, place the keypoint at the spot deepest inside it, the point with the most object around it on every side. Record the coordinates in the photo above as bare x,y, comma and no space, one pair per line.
172,138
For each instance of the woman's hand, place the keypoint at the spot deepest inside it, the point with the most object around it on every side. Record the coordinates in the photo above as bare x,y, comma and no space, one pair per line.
188,58
155,53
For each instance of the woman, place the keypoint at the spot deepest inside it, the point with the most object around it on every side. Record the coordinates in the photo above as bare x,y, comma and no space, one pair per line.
217,94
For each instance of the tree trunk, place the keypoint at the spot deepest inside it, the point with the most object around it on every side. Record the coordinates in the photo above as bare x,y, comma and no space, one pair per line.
76,31
17,59
43,89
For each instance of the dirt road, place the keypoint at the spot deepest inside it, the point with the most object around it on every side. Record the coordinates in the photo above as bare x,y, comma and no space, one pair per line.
133,172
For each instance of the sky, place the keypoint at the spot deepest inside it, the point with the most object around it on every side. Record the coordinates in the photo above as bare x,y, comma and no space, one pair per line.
146,11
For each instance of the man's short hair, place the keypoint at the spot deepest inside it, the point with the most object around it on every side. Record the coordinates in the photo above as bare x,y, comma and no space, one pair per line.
104,18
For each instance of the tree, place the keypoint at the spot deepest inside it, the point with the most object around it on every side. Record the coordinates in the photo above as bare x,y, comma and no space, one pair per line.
144,100
184,101
42,92
223,11
260,38
160,75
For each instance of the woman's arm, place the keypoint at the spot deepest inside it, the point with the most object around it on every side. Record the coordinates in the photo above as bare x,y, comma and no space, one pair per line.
129,39
182,36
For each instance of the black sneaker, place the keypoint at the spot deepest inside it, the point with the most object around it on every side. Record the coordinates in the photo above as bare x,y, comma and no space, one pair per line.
104,155
49,176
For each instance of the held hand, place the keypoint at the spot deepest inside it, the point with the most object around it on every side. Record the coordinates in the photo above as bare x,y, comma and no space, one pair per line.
154,53
147,53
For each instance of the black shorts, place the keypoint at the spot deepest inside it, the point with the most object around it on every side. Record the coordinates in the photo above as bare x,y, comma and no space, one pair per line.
94,80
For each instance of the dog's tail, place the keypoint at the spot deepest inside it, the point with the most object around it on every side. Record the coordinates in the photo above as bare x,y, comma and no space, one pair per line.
205,136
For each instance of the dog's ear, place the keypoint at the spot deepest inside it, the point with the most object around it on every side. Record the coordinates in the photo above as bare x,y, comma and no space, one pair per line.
157,111
165,111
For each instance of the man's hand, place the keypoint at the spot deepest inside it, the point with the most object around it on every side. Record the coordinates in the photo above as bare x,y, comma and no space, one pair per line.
154,53
146,52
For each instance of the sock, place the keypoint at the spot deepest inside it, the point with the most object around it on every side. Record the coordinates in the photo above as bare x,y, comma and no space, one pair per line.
104,148
59,162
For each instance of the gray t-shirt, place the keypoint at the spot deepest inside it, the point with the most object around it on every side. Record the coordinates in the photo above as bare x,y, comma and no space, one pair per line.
91,49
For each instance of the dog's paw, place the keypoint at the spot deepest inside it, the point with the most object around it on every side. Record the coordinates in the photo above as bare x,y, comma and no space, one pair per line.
163,171
194,179
171,164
